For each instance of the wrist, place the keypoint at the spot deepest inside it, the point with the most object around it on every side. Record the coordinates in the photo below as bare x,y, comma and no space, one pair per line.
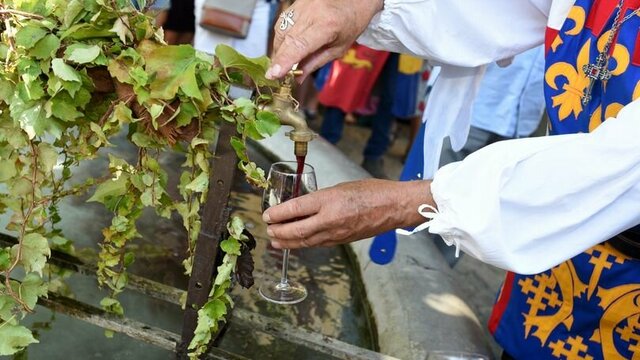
416,193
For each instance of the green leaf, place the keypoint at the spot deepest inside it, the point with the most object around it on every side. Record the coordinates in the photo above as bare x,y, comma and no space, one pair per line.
112,305
31,288
236,227
199,184
46,47
64,71
35,250
174,68
7,90
73,9
62,106
230,246
267,123
29,35
7,304
225,270
254,68
215,309
240,148
47,157
5,259
14,338
82,53
7,169
109,189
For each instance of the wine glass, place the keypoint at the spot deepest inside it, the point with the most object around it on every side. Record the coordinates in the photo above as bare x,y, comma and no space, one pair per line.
455,355
286,180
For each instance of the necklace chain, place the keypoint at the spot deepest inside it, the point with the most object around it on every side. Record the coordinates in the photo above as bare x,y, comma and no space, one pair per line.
599,70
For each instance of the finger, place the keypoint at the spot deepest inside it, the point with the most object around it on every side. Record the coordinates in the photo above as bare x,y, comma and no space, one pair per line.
299,207
318,59
296,230
293,46
320,239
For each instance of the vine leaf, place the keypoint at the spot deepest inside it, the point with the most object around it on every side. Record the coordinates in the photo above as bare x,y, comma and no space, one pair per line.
46,47
267,123
81,53
29,35
254,68
109,189
31,288
174,68
35,250
64,71
7,169
14,338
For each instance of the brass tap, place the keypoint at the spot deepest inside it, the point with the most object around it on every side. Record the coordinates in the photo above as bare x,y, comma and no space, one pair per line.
286,108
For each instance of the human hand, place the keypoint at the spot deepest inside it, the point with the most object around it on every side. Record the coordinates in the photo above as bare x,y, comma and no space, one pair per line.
323,31
346,212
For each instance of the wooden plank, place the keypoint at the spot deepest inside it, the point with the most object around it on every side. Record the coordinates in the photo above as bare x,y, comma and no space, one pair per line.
307,338
137,330
137,283
214,221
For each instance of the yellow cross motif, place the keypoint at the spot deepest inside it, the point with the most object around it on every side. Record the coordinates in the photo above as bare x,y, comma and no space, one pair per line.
629,334
601,258
541,297
576,349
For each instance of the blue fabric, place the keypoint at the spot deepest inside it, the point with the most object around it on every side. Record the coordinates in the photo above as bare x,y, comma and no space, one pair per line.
586,307
332,124
383,119
404,104
510,101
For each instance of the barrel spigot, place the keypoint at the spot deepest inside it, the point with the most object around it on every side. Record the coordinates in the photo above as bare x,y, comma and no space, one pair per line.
286,108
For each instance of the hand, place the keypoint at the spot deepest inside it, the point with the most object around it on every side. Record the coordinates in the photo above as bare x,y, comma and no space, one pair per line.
323,31
346,212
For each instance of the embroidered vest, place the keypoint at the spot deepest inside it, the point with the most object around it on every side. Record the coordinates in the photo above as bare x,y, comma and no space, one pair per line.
589,306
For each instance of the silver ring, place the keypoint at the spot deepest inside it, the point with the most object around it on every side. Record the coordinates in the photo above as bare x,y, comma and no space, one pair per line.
286,20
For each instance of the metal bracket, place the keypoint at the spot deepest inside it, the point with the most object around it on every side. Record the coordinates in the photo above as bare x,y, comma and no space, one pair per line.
214,221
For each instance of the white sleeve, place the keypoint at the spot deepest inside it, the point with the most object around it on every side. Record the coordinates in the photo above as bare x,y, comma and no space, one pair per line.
466,33
527,205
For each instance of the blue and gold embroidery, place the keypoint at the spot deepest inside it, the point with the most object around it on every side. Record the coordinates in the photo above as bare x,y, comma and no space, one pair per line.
589,306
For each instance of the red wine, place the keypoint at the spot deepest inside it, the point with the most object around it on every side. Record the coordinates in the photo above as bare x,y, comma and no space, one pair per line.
299,171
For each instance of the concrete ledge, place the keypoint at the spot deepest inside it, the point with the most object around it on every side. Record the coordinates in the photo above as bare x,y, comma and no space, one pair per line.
416,302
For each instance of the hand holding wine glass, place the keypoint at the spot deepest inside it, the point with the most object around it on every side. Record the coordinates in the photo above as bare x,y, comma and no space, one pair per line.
286,180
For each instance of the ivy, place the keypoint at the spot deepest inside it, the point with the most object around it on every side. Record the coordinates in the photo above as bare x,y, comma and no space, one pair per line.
75,74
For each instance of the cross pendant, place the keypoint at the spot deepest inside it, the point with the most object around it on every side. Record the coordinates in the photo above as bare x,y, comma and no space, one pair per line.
595,72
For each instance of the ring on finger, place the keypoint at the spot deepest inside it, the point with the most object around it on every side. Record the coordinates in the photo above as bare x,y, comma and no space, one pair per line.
286,20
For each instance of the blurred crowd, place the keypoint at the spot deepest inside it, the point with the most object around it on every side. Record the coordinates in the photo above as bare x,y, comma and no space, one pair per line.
384,92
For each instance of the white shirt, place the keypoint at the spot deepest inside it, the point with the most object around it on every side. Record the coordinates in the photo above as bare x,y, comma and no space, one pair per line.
524,205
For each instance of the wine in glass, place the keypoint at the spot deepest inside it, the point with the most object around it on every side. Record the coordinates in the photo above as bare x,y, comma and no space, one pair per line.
286,180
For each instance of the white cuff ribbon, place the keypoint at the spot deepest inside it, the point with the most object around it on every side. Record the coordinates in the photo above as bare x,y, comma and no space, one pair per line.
431,216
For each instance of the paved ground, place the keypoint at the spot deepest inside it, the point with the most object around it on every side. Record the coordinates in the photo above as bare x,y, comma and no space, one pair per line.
480,282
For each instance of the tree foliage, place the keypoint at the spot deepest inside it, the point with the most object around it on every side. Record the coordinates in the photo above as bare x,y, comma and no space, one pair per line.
74,74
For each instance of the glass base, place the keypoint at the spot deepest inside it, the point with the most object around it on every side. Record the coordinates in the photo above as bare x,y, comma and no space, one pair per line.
287,293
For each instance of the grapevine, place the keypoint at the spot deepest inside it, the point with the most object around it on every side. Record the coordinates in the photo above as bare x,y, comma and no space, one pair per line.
75,74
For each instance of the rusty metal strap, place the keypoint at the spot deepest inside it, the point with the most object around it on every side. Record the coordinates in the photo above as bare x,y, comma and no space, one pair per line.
214,220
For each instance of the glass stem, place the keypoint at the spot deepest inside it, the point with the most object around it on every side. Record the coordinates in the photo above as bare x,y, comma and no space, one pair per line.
285,266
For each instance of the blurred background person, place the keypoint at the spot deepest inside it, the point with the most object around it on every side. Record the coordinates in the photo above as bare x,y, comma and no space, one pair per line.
179,23
255,43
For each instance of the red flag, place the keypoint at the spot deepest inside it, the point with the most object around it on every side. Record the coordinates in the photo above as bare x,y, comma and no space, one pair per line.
352,77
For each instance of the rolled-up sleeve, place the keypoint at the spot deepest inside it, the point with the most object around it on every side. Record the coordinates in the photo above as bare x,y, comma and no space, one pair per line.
465,33
527,205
